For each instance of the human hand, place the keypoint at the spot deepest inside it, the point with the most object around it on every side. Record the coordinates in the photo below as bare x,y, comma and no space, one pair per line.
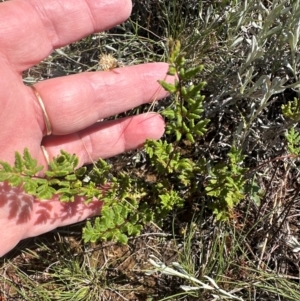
29,31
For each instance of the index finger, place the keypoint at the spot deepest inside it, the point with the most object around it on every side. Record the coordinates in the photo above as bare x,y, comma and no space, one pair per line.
31,29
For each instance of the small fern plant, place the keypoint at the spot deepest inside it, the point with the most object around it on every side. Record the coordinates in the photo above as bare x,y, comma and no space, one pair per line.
227,184
131,201
291,110
185,117
63,178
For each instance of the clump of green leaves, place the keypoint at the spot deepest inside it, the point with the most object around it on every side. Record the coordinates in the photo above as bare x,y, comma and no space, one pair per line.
123,214
293,141
291,110
140,202
120,215
186,121
129,202
63,178
226,184
185,117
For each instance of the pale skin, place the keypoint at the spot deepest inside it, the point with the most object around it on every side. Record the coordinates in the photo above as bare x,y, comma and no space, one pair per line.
29,31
